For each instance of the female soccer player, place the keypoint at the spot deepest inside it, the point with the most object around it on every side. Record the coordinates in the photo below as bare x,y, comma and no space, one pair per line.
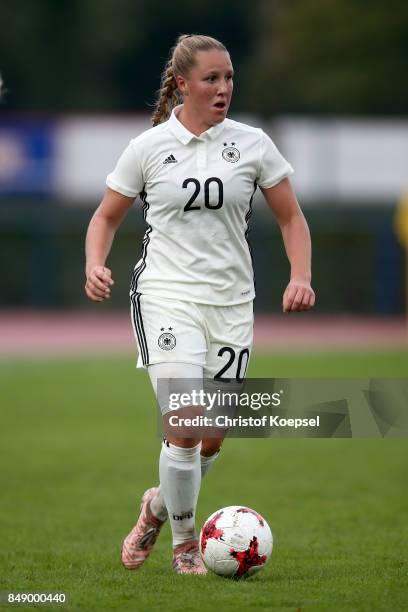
192,290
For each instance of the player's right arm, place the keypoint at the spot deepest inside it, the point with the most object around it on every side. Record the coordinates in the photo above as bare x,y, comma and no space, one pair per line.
101,232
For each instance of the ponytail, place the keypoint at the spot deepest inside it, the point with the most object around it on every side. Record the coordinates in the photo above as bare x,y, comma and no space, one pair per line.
168,96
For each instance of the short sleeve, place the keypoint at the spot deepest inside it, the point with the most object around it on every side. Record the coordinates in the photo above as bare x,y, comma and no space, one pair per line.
127,177
273,166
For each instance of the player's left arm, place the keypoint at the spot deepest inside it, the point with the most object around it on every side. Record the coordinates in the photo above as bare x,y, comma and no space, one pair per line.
299,294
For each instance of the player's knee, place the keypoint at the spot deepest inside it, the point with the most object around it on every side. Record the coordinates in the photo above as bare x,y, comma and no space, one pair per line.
210,446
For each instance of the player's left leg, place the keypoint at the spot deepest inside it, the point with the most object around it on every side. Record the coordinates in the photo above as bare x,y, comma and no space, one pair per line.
139,542
228,330
229,337
229,334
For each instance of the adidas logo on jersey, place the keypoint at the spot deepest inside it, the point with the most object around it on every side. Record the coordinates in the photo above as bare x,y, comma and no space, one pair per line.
170,160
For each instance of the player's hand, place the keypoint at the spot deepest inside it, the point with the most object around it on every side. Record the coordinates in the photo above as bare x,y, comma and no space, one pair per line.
98,283
298,296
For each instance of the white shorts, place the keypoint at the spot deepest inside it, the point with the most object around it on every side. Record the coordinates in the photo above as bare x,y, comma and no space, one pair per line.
217,338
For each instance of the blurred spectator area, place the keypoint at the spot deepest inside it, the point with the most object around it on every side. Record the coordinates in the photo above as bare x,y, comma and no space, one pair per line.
349,175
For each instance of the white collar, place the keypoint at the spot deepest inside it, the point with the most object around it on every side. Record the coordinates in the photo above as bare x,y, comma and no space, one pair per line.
184,135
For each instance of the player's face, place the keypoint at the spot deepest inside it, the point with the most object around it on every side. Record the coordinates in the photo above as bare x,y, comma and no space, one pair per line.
208,88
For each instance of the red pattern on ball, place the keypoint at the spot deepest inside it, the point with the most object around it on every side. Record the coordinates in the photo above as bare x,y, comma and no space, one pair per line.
210,530
248,558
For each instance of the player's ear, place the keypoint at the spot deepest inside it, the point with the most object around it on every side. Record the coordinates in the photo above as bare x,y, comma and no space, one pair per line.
182,85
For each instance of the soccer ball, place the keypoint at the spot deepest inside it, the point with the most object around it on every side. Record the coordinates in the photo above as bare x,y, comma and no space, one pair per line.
235,542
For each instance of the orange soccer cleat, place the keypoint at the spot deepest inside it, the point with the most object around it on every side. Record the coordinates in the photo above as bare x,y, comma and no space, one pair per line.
187,559
140,541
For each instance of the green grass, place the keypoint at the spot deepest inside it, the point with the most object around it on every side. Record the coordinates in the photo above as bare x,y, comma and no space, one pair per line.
79,445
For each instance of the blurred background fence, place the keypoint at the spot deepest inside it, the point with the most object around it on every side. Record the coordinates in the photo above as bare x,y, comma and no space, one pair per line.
327,81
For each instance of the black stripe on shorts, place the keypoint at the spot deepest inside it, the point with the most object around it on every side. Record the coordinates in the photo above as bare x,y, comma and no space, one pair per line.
139,327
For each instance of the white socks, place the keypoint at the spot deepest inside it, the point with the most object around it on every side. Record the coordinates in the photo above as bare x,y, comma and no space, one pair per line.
157,504
180,480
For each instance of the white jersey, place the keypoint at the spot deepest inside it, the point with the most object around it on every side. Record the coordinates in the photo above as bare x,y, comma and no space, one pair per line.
197,195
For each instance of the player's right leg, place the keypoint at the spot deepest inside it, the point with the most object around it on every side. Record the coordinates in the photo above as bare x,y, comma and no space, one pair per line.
172,346
180,461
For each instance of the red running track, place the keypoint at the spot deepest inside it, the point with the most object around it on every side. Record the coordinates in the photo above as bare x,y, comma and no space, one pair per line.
52,333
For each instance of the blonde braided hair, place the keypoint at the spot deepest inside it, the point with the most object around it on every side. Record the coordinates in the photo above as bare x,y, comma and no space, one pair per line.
182,59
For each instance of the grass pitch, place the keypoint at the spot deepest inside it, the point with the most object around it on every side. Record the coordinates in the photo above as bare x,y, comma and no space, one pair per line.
79,445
